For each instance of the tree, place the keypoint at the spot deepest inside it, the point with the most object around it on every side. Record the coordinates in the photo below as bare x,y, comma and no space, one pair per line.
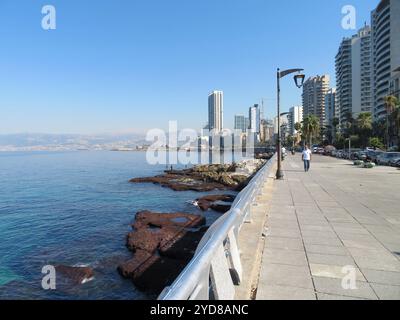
376,143
364,121
335,123
311,127
290,140
396,120
348,124
364,127
391,104
298,126
340,141
327,132
379,128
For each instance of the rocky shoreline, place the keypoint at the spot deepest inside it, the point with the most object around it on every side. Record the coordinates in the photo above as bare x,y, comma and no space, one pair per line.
163,243
205,178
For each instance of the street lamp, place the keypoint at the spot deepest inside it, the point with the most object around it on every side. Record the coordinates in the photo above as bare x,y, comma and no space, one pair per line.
299,81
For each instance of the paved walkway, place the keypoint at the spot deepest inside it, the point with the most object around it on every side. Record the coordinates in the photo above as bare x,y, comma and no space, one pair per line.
335,221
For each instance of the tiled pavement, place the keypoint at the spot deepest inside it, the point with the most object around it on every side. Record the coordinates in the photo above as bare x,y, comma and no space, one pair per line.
334,221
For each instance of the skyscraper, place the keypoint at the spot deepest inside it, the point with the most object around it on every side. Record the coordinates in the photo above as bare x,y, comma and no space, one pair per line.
255,119
314,91
331,107
295,116
241,123
385,21
216,111
353,74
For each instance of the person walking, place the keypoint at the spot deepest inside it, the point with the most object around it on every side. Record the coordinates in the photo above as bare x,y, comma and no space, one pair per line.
306,157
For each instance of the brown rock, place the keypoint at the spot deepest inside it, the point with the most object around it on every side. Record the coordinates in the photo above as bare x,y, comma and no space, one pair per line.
144,239
127,269
162,244
157,273
75,274
183,246
199,178
221,207
214,202
155,219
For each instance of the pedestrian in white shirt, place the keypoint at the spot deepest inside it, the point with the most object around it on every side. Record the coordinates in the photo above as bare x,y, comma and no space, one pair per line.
306,157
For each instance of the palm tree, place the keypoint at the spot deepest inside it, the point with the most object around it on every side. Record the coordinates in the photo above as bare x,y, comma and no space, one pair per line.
335,123
349,123
364,125
396,116
364,121
390,102
311,127
299,128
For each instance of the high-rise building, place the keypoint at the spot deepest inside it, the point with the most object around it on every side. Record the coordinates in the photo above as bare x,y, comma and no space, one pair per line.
216,111
344,79
314,91
247,121
362,71
295,116
331,112
331,107
394,88
263,132
255,119
353,74
385,21
241,123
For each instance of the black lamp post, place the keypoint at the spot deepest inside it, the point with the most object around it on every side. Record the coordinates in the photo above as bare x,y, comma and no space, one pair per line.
299,81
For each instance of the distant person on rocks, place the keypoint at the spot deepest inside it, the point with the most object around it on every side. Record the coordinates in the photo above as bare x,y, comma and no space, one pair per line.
306,157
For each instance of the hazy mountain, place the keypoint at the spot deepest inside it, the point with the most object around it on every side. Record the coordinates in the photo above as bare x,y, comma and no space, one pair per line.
32,141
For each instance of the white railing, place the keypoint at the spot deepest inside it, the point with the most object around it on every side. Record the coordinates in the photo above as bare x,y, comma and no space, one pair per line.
216,267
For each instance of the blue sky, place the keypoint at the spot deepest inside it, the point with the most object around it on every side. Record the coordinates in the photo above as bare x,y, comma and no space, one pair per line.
130,65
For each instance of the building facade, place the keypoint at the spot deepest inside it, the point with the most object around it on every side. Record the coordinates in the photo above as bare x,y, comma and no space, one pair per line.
314,91
255,119
331,107
354,75
295,116
216,111
394,86
241,123
385,21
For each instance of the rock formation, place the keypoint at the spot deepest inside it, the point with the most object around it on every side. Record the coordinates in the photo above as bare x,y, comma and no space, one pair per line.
162,243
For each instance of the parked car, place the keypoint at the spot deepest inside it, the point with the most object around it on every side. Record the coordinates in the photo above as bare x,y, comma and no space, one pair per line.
340,154
372,155
360,155
394,161
397,164
385,158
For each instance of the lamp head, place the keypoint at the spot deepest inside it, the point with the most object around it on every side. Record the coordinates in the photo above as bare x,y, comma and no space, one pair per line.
299,79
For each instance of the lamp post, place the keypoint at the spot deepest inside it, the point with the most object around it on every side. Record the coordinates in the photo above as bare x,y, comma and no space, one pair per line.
299,80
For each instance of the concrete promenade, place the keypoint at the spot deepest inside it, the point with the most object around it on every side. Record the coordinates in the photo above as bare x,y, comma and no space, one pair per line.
333,221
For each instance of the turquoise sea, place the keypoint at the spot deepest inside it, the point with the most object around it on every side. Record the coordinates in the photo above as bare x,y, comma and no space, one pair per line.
75,208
